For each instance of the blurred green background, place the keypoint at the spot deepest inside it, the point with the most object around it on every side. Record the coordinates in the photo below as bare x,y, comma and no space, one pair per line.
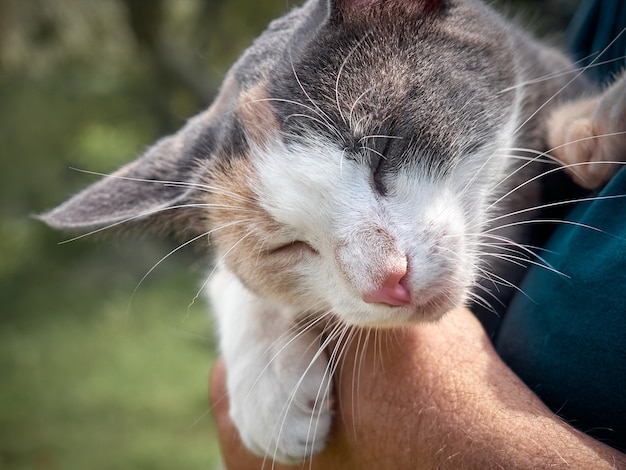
99,370
92,376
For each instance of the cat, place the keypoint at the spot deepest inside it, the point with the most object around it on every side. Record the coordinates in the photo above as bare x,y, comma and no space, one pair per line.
368,164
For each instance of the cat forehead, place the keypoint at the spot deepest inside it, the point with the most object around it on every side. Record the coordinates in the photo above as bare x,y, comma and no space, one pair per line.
394,39
405,84
315,147
392,85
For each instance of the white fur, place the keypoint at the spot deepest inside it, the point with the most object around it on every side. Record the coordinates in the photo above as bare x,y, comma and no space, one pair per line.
278,384
329,202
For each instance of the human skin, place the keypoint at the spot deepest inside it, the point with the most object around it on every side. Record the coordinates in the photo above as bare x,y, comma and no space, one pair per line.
430,396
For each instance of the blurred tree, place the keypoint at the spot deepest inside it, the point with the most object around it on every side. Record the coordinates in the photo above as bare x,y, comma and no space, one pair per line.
89,84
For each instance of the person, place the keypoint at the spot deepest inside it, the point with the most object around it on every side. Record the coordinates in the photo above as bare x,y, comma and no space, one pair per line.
445,395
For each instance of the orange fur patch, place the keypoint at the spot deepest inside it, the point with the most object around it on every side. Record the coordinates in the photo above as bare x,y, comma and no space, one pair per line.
257,116
243,233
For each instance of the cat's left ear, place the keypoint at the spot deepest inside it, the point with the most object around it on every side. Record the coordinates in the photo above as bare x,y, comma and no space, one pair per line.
144,190
159,190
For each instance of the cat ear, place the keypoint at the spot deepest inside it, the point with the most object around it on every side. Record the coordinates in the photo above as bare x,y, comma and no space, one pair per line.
162,188
359,10
156,188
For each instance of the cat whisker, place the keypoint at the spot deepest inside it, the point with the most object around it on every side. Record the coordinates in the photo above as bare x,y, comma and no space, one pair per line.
503,282
331,367
544,174
555,204
328,126
506,248
568,83
511,174
323,117
524,262
292,395
325,385
167,183
548,153
552,221
341,158
379,136
359,360
340,71
475,267
563,73
217,263
480,300
369,149
493,279
295,74
504,243
538,158
158,263
524,248
353,107
488,275
135,217
299,328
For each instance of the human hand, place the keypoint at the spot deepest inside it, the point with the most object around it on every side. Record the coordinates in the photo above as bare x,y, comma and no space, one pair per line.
430,396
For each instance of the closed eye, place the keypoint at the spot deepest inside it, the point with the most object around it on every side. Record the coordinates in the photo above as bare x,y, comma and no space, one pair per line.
294,247
377,177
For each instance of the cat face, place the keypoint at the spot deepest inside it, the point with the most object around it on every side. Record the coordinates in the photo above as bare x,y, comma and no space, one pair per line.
347,166
364,184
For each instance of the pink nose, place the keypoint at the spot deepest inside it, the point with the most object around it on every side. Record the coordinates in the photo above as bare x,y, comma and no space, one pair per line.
392,292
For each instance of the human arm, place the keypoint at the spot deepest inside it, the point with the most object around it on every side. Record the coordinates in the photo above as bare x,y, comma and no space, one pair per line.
433,396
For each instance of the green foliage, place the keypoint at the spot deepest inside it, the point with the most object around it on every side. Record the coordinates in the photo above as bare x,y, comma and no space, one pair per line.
109,386
89,378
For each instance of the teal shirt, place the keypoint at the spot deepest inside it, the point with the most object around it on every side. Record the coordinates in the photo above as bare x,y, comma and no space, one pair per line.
597,28
566,337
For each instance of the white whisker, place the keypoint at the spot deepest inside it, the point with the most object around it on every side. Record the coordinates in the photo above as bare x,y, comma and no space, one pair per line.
563,73
158,263
208,278
295,74
353,107
556,204
576,76
135,217
340,71
166,183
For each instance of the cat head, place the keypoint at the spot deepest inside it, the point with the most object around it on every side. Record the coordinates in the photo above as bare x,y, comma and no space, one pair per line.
347,164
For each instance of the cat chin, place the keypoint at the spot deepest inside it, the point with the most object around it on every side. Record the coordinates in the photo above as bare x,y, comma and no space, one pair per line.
382,316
